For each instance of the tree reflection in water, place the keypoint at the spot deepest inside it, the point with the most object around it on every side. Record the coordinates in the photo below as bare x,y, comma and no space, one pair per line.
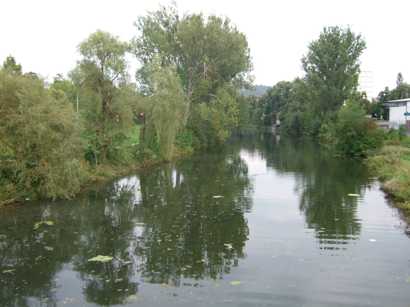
327,207
162,227
187,232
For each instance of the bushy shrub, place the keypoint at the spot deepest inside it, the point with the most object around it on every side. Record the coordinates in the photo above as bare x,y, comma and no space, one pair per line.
397,136
351,133
41,147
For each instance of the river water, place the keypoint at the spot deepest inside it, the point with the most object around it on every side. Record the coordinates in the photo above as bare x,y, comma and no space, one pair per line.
266,222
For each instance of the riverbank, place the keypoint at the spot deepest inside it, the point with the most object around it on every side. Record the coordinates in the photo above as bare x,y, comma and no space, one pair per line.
104,173
392,166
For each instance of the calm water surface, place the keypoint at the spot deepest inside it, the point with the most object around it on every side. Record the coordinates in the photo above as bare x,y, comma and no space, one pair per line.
267,222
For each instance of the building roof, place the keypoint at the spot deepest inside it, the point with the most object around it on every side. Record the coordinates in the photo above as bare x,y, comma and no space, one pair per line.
396,102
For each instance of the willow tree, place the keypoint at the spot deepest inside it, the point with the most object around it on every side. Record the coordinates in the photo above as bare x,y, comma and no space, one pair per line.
166,108
103,72
209,53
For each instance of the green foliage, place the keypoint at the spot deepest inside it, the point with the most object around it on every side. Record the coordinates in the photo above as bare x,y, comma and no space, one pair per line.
40,140
184,140
207,52
212,60
397,136
166,108
192,67
274,101
352,134
332,68
106,96
215,120
297,117
64,87
10,66
313,105
402,90
246,122
392,165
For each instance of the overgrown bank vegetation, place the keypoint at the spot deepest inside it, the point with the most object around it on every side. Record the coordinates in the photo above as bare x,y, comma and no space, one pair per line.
55,137
392,165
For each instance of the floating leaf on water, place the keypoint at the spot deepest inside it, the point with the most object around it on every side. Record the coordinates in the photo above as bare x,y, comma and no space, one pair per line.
353,195
39,224
235,283
217,196
100,258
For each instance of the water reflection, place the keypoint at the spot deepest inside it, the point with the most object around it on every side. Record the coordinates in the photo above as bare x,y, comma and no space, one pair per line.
186,225
323,184
194,224
170,224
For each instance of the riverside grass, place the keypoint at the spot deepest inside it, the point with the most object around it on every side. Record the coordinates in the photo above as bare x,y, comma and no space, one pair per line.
392,166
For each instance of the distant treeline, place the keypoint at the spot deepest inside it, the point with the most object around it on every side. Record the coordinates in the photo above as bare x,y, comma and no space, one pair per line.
326,104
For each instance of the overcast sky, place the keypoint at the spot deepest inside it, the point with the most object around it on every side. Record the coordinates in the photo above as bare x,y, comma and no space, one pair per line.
43,35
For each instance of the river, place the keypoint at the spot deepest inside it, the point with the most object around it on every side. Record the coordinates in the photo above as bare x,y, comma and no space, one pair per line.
266,222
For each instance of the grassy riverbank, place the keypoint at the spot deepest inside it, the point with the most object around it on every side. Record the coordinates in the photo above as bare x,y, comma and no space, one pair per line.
392,166
99,174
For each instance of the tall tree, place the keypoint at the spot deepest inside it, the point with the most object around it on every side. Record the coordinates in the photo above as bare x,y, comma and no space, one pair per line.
166,108
209,54
332,67
206,51
103,70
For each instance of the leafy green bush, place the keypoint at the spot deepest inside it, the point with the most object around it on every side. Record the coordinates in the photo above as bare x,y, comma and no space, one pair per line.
351,134
397,136
40,141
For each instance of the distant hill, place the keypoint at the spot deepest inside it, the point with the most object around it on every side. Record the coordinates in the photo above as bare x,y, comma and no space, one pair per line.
257,90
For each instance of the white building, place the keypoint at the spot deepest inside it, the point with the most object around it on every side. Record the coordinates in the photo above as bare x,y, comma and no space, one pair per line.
399,112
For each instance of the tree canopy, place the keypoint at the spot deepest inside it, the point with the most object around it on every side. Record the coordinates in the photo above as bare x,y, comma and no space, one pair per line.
332,67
